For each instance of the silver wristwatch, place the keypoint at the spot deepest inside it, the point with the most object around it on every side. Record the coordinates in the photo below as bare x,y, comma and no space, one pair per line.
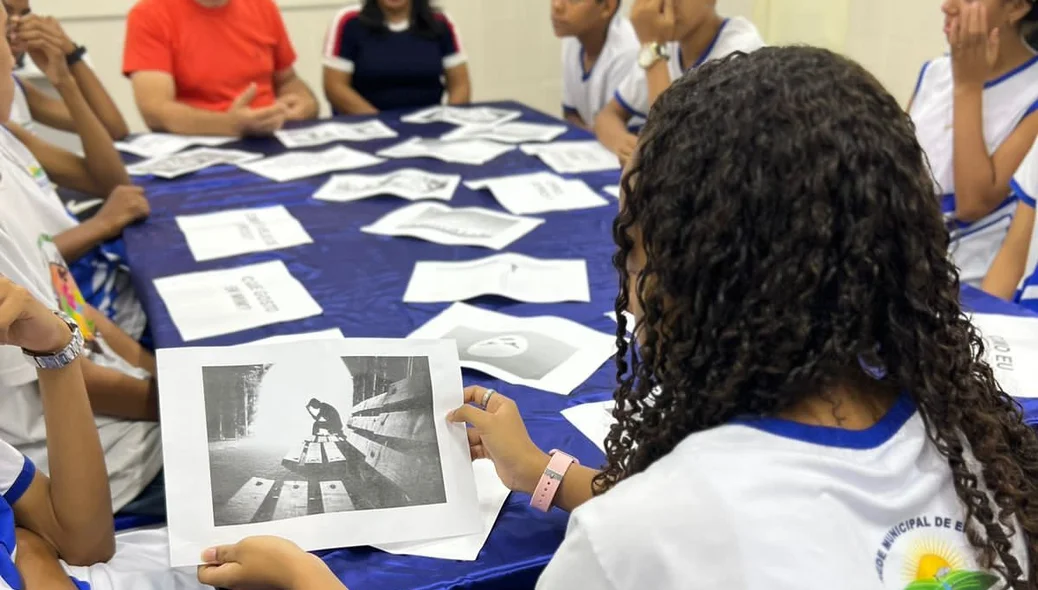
63,357
652,53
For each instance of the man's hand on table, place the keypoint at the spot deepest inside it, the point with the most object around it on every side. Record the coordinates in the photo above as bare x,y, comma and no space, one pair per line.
250,121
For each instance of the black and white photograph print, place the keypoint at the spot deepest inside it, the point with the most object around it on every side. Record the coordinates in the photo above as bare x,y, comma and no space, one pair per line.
439,223
278,451
525,354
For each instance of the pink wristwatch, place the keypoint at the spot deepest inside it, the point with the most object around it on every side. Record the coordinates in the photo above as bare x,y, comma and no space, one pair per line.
548,486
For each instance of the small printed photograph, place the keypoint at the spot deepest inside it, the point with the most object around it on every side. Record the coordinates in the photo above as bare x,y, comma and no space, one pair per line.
525,354
365,441
461,223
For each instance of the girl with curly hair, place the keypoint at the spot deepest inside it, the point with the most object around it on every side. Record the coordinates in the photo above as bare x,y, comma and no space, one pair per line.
805,406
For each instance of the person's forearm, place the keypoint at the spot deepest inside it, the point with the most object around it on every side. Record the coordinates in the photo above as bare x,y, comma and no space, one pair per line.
459,93
297,88
77,241
179,118
348,101
310,573
103,161
659,81
129,349
975,192
78,488
574,118
37,563
100,101
574,490
611,130
1010,265
118,395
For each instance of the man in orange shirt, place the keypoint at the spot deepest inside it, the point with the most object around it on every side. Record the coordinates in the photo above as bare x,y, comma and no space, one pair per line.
214,67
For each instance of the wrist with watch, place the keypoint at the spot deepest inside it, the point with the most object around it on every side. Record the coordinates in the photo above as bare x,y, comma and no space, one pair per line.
651,53
551,479
61,358
75,56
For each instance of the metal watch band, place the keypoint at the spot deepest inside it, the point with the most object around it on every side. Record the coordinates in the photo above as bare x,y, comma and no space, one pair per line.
63,357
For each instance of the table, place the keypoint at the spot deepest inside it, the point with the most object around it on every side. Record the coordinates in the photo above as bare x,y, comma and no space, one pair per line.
371,306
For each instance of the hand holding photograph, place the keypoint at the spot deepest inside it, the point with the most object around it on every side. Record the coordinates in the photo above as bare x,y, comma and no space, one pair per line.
547,353
327,443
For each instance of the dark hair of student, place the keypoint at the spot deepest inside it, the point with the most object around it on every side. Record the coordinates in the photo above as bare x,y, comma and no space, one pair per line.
423,17
791,233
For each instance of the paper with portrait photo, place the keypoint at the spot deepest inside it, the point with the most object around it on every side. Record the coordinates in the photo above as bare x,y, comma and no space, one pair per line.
547,353
474,152
592,420
1011,349
491,494
510,275
240,231
323,133
181,163
211,303
409,183
295,165
574,157
470,226
515,132
326,443
540,192
150,145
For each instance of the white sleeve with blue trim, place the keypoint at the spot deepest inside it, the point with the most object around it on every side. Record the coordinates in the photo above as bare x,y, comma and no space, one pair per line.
1025,181
633,93
16,473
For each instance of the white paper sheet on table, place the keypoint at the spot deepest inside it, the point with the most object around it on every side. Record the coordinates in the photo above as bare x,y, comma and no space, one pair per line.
181,163
574,157
409,183
296,165
476,115
491,494
470,226
240,231
1011,349
150,145
592,420
333,131
474,152
510,275
260,395
515,132
330,334
548,353
540,192
216,302
613,190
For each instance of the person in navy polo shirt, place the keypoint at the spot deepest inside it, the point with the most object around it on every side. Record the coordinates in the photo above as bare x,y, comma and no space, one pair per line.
393,54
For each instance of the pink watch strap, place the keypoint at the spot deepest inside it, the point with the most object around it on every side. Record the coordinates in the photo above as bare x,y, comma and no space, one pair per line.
550,481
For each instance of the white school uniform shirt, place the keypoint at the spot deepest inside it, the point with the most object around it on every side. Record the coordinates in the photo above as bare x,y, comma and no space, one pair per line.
132,450
1025,187
736,34
768,504
1007,101
20,113
586,92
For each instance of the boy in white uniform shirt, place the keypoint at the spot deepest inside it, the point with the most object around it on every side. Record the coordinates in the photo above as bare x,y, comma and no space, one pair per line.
676,36
599,49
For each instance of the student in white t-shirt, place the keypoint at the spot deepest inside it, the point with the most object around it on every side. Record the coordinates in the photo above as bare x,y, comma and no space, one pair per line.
976,115
806,409
1014,273
599,50
676,36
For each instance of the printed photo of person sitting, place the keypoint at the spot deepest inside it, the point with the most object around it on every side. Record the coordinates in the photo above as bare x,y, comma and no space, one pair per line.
326,418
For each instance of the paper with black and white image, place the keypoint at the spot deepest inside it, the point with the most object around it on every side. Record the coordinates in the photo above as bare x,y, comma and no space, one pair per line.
514,132
327,443
539,192
474,152
409,183
150,145
548,353
491,494
181,163
323,133
240,231
212,303
296,165
510,275
474,115
439,223
1011,349
593,420
574,157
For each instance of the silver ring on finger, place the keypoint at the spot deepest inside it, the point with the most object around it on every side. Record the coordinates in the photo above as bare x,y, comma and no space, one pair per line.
486,398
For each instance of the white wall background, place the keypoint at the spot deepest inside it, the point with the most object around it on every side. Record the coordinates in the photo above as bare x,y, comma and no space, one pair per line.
513,53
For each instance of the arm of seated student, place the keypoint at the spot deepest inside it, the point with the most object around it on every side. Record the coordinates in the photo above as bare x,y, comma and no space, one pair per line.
574,118
53,112
37,563
611,130
459,85
292,91
265,562
338,89
498,434
120,341
1009,266
113,393
659,80
126,205
155,94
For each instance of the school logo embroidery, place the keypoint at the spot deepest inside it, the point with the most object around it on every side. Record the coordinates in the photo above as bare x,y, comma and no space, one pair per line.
929,553
40,176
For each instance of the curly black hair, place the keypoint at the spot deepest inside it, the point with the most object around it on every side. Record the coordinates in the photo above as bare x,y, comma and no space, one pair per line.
790,230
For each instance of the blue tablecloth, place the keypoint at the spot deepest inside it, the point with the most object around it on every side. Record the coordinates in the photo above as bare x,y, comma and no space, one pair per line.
360,280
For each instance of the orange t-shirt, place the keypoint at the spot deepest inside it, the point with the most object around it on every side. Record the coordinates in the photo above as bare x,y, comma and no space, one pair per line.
213,54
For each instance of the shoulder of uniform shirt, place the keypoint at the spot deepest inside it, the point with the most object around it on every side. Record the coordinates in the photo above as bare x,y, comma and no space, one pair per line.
742,33
347,14
622,36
